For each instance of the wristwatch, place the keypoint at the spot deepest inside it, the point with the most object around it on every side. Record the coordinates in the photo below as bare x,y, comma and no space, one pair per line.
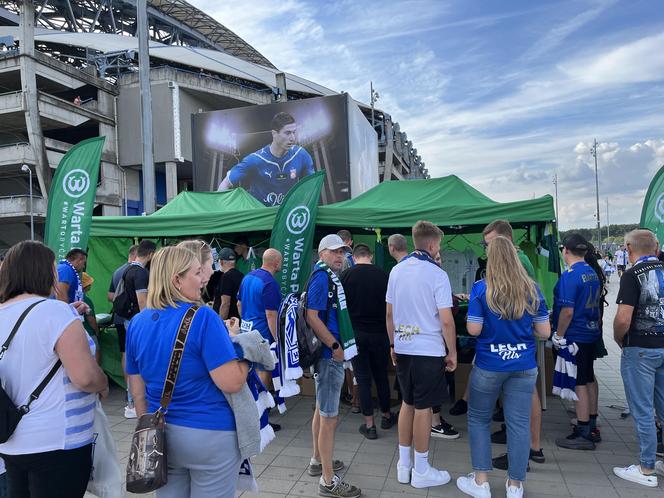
335,346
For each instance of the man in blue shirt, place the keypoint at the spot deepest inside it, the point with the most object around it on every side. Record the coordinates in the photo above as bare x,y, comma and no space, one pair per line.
259,297
269,173
69,288
329,376
258,302
576,304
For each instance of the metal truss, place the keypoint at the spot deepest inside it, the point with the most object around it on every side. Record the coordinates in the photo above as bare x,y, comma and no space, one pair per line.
173,22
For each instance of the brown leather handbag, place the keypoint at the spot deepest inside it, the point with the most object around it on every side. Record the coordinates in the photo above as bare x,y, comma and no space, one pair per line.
147,468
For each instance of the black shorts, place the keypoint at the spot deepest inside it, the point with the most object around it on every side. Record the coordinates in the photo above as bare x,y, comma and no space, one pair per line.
122,336
622,267
422,380
585,357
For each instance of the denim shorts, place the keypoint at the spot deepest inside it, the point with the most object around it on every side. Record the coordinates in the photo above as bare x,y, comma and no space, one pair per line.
329,378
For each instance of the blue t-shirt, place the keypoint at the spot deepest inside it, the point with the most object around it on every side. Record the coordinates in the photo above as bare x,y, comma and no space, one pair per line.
580,288
317,299
269,178
259,291
504,345
67,275
197,401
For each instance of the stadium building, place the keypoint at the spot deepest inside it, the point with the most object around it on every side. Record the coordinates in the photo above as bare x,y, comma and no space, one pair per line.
75,76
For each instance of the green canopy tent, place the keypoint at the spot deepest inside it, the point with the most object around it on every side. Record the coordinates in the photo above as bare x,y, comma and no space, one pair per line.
392,206
188,215
461,210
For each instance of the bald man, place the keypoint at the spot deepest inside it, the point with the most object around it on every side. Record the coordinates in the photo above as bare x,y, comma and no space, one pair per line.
258,302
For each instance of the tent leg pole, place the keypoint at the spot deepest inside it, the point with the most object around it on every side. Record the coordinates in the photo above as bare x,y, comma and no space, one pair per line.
541,361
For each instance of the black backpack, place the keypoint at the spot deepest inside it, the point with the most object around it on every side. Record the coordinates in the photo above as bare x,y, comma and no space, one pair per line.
309,346
124,304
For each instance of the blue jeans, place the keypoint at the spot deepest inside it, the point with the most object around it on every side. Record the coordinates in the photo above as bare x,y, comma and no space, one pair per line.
642,371
517,389
329,378
3,485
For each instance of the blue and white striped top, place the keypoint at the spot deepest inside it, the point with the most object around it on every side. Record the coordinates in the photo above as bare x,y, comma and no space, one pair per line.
63,416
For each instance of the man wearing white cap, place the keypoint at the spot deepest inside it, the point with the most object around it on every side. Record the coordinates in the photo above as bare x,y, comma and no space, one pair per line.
328,317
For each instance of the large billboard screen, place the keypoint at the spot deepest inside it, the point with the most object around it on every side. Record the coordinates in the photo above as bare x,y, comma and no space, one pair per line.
267,149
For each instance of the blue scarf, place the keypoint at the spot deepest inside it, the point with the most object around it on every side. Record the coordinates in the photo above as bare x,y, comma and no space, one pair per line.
564,372
422,255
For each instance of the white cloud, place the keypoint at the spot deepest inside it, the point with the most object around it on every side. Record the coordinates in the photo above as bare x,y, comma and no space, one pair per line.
559,33
638,61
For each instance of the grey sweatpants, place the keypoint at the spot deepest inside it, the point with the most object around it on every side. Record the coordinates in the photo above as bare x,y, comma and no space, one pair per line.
201,463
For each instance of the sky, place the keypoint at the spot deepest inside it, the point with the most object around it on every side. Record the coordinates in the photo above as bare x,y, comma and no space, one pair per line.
504,95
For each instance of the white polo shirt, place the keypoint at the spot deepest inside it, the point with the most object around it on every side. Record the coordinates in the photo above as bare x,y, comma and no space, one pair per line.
417,289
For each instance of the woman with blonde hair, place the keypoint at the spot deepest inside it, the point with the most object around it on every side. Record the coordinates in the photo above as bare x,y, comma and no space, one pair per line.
203,453
507,312
203,252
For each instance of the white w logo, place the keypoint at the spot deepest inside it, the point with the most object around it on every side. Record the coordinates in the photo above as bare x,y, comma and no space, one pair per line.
76,183
298,219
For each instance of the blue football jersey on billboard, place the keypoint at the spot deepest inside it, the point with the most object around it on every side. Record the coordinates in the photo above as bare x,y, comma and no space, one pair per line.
269,178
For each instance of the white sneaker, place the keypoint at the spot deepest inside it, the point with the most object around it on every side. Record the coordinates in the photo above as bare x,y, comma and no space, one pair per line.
513,491
659,468
403,473
468,484
130,411
633,473
432,477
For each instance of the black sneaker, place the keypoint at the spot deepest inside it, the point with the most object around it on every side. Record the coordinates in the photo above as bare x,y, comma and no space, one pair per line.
596,435
500,437
444,431
275,427
498,415
459,408
537,456
501,462
388,422
368,432
575,441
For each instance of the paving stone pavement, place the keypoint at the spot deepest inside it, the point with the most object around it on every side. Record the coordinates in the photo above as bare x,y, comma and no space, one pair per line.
372,464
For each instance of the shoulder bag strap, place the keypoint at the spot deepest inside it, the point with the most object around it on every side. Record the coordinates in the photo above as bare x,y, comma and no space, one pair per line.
6,344
40,388
176,358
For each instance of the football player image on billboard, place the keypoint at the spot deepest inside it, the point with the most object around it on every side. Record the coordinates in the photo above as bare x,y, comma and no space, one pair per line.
267,149
270,172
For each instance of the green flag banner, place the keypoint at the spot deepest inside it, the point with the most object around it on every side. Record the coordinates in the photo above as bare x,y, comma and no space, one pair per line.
72,197
652,214
293,232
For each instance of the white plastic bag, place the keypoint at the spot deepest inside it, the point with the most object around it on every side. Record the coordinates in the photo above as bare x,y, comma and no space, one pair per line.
106,476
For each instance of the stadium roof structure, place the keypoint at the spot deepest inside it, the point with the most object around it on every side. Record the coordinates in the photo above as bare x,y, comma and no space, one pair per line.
194,57
171,22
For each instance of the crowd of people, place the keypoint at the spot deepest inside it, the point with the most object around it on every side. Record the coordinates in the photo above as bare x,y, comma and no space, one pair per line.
408,317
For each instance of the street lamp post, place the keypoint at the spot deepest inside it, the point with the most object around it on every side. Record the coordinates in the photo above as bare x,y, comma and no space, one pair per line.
26,169
374,98
593,151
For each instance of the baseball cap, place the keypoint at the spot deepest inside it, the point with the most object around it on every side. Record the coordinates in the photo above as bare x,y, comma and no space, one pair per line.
331,242
227,254
575,242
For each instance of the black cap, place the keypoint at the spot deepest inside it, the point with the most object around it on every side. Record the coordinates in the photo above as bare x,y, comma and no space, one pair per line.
575,242
227,254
